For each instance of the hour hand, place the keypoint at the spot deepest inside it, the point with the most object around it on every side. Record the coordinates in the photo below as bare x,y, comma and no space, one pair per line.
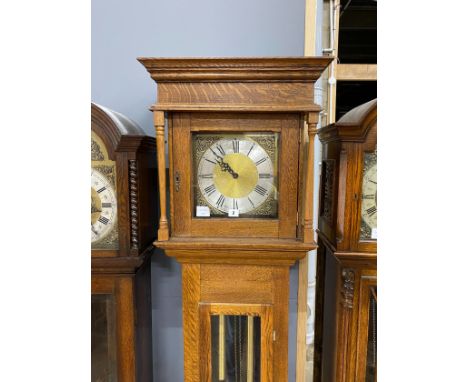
225,167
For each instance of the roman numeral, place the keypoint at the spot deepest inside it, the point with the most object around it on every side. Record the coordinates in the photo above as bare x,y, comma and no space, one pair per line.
221,150
260,161
368,196
210,161
262,191
235,145
234,204
220,200
100,190
210,190
106,205
206,176
252,203
251,149
264,176
371,211
103,220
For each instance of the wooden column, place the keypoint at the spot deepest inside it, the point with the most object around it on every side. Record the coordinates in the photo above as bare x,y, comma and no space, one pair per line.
312,119
163,231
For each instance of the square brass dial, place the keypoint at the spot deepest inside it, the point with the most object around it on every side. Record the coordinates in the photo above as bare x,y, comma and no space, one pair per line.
235,174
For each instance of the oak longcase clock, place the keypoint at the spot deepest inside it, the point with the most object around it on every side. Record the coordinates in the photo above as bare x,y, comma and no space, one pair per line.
123,217
346,314
240,149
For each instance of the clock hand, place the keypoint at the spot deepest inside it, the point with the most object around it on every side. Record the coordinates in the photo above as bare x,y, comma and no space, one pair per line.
92,229
225,167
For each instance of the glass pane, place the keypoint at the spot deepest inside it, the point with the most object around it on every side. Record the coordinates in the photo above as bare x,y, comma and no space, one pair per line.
235,175
235,344
103,345
371,366
369,197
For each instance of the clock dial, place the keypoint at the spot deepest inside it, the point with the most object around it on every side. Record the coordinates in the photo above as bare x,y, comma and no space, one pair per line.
104,227
103,206
369,197
236,173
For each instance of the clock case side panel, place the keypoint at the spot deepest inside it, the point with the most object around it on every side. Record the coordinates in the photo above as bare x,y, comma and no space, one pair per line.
137,187
331,177
182,125
144,224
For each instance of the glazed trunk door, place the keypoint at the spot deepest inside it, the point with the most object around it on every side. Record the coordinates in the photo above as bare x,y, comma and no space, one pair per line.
113,358
236,343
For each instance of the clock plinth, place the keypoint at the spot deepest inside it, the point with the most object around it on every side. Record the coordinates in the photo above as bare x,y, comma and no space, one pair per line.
240,147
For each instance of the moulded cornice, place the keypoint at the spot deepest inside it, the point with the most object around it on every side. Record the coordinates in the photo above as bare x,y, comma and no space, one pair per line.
248,69
119,132
353,126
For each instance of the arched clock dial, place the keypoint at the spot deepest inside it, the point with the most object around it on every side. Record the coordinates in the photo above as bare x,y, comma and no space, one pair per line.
236,174
369,197
103,206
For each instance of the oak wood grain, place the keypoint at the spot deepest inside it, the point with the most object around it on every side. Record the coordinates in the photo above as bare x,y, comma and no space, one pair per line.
280,323
163,231
191,320
235,69
288,176
245,292
182,168
312,119
242,96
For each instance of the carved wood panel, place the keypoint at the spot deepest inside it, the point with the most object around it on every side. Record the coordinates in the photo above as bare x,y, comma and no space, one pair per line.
327,190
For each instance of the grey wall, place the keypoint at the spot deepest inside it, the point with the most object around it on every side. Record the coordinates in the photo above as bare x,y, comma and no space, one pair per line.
123,30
